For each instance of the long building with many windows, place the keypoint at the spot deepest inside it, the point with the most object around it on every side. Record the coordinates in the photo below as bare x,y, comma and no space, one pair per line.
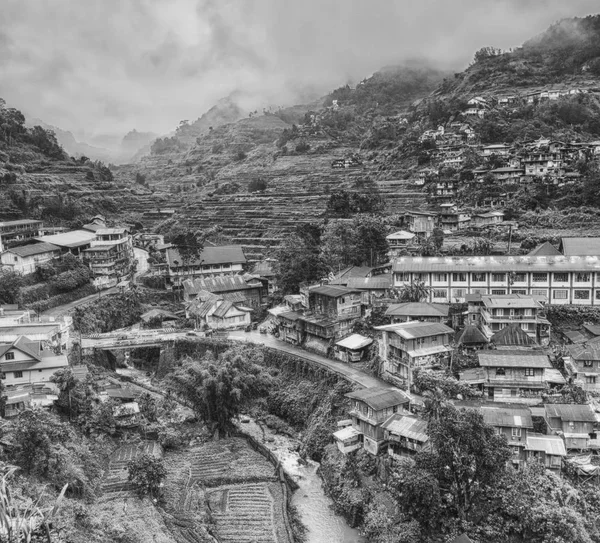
556,279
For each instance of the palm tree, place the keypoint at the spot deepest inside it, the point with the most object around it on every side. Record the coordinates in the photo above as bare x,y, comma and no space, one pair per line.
416,291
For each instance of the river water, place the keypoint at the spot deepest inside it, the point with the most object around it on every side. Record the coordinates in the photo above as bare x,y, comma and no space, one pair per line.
315,508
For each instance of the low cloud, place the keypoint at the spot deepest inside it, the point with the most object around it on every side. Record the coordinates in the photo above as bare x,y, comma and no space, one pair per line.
110,66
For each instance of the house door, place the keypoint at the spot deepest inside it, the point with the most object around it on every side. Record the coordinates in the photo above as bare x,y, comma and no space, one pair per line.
491,393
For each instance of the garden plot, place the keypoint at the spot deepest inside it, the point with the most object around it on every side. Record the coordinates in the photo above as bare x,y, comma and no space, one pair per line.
229,461
247,513
115,479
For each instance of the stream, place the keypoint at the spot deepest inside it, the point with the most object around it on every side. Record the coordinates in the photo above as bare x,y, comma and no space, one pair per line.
315,508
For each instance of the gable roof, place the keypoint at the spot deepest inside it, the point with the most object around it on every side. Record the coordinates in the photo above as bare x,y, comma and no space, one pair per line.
570,412
355,341
25,345
580,246
379,397
509,301
593,329
401,234
153,313
407,426
222,309
514,359
417,309
333,291
217,285
226,254
549,444
199,308
589,350
512,334
545,249
517,417
33,249
416,329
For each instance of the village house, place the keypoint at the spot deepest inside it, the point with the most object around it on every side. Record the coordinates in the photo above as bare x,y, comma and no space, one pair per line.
499,311
22,397
420,223
18,231
497,149
407,346
489,218
513,376
512,337
477,107
508,175
406,435
417,311
347,438
451,219
573,246
576,424
352,348
370,408
25,361
10,314
399,242
236,288
372,288
471,337
559,279
212,262
74,242
159,316
291,327
26,258
548,450
582,364
332,312
425,175
54,334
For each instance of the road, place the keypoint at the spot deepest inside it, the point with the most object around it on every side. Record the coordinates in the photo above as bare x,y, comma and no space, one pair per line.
342,368
142,261
65,308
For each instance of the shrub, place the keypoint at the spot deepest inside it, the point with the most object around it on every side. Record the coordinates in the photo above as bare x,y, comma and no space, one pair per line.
147,473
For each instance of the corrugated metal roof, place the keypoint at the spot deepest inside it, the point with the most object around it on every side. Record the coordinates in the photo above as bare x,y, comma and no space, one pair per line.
290,315
575,336
413,330
552,375
75,238
20,222
154,313
34,249
407,426
509,301
401,234
417,309
346,433
507,417
227,254
584,351
570,412
513,359
512,334
218,285
223,309
580,246
379,397
377,282
333,291
355,341
428,351
498,264
200,309
545,249
593,329
471,335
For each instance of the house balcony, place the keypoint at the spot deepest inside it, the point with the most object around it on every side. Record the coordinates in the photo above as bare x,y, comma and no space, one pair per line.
524,382
373,420
508,318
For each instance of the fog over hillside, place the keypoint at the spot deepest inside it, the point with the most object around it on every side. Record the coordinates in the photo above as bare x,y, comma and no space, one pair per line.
116,65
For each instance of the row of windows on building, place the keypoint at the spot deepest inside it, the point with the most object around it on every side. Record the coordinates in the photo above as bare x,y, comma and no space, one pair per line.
557,294
461,277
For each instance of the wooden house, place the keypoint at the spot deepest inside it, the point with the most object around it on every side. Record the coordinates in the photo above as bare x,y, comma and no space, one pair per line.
26,259
574,423
409,345
371,407
418,311
352,348
549,450
583,364
406,435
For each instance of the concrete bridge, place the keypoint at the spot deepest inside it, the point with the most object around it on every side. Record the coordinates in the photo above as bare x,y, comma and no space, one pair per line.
133,339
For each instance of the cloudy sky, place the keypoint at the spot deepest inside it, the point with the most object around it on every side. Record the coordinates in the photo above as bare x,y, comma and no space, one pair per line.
107,66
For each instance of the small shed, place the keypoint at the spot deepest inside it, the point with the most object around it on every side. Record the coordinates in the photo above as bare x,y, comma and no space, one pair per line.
348,439
352,348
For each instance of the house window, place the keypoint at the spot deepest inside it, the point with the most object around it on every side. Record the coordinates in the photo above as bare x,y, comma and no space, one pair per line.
9,356
582,277
560,294
420,342
538,277
458,292
441,293
513,392
582,294
440,277
498,277
539,292
17,374
403,277
459,277
498,292
518,291
598,294
2,375
529,372
588,363
590,379
516,432
434,339
561,277
500,371
478,277
520,278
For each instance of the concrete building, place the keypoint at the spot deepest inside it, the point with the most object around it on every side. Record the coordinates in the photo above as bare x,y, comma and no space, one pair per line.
212,262
557,279
26,258
17,231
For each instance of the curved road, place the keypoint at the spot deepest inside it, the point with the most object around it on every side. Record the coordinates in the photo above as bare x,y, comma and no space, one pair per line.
354,375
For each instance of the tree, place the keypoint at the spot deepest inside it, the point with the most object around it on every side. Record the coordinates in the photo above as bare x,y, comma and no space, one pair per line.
218,389
467,456
437,238
147,474
416,291
10,286
299,261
